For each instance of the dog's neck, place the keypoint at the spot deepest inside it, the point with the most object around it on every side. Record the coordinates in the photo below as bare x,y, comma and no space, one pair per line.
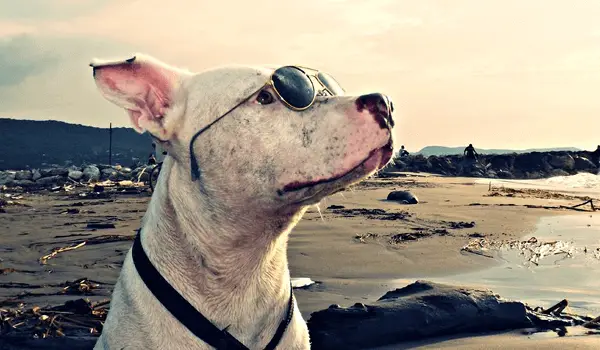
219,258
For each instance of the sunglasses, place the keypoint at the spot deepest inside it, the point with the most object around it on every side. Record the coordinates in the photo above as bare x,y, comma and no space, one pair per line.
296,87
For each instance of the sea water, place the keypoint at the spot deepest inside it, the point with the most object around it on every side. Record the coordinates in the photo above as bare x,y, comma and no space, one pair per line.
573,273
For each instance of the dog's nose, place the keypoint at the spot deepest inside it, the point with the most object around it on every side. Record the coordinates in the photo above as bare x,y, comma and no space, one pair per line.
380,106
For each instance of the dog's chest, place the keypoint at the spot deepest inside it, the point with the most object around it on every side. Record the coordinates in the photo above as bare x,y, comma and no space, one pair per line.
138,321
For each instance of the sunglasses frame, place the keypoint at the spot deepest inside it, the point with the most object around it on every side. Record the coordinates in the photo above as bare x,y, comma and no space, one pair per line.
302,69
325,85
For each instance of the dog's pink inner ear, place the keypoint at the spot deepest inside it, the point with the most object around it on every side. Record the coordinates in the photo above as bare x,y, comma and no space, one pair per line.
144,89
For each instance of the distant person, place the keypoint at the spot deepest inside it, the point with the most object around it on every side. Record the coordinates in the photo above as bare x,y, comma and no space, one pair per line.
159,152
596,156
470,152
403,152
151,157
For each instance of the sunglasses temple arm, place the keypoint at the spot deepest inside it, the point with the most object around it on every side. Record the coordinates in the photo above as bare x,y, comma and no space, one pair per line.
194,166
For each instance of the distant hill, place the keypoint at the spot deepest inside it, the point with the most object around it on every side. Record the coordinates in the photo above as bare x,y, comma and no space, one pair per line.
34,144
443,151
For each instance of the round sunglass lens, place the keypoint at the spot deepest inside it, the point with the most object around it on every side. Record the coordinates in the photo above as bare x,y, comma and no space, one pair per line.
331,84
294,87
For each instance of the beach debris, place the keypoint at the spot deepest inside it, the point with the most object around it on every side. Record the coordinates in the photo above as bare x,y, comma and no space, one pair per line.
363,238
302,282
461,224
372,214
476,235
532,249
71,211
100,225
478,247
75,317
80,286
395,239
335,206
503,191
44,259
556,309
407,236
589,201
594,323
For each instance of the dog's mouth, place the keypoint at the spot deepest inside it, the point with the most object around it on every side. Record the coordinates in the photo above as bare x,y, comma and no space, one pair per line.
376,160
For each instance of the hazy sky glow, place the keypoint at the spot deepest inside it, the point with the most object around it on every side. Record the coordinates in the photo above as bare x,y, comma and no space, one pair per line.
495,73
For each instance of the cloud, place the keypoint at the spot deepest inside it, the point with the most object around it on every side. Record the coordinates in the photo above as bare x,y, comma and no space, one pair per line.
58,85
48,9
22,57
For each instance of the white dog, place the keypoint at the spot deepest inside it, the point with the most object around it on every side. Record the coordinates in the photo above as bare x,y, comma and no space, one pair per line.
249,149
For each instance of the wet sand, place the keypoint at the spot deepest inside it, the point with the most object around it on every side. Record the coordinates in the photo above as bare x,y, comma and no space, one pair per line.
509,340
353,247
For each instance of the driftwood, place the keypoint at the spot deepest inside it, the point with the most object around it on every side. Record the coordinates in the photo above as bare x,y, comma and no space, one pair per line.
44,259
557,308
91,241
590,201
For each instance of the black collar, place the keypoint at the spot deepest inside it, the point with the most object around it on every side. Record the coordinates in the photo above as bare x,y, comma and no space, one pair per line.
185,313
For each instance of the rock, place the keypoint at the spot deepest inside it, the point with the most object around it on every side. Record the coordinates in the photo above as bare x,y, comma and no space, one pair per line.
420,310
491,174
54,172
50,180
23,175
91,173
501,162
403,197
7,178
35,174
504,174
24,183
104,166
562,161
108,174
583,163
559,172
75,175
531,162
123,176
472,168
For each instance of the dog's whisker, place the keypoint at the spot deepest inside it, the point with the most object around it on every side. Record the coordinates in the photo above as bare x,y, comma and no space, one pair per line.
318,206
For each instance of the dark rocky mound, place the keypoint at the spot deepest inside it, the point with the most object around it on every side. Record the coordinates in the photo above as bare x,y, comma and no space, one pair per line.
533,165
424,310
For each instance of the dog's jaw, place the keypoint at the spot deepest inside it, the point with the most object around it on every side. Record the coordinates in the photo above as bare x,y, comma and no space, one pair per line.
377,159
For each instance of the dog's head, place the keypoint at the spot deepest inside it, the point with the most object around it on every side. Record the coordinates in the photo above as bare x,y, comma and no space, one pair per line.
262,154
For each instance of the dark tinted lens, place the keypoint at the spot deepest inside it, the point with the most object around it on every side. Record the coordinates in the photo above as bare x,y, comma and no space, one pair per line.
294,86
331,84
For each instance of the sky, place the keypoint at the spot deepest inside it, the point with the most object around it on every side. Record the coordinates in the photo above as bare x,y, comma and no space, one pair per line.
495,73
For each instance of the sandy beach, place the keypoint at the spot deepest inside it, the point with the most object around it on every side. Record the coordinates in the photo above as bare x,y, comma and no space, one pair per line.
354,245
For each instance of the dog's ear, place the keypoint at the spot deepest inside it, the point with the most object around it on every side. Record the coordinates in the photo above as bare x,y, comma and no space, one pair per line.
144,87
